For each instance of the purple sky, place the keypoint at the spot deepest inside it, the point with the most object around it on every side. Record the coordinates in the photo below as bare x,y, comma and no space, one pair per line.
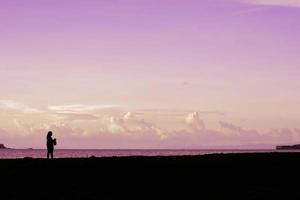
151,73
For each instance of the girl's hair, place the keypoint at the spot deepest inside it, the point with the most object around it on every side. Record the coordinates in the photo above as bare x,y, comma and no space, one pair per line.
49,134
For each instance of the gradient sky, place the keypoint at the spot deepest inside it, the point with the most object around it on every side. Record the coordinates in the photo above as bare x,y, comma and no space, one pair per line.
150,74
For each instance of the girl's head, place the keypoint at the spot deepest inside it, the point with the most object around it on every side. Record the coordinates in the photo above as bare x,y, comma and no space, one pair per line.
49,134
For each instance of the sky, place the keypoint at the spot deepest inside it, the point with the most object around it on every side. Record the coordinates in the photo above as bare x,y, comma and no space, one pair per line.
150,74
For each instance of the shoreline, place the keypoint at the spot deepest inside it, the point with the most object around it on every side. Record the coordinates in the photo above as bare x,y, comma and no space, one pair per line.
246,153
76,153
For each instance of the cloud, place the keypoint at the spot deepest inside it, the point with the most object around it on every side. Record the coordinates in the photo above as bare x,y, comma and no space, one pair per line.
174,112
130,124
25,129
79,108
230,126
212,138
284,135
10,105
130,131
128,116
194,122
66,130
288,3
75,116
111,126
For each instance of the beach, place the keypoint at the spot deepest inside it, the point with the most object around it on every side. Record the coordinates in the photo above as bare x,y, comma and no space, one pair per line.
215,176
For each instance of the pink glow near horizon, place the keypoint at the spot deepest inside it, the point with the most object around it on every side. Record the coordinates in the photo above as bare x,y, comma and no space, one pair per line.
150,74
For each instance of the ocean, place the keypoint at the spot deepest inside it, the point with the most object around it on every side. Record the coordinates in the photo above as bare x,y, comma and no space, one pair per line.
84,153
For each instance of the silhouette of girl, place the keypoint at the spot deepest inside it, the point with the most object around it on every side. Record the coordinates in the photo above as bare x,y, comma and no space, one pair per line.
50,145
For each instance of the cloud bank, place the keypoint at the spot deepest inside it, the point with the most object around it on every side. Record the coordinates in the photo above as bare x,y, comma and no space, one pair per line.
97,126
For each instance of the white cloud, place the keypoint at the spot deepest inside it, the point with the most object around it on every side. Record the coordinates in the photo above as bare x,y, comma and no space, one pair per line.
66,130
127,116
79,108
75,116
110,124
130,124
61,129
194,121
10,105
289,3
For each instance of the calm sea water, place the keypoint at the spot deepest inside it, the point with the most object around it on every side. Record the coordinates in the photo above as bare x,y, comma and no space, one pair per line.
68,153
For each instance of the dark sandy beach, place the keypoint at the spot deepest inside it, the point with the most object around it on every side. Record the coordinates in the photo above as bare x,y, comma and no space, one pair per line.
218,176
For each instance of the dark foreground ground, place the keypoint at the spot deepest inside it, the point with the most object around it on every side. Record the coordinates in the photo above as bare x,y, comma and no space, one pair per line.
229,176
